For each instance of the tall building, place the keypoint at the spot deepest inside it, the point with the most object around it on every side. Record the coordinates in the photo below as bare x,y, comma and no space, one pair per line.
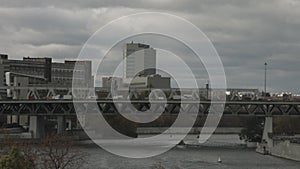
139,70
139,59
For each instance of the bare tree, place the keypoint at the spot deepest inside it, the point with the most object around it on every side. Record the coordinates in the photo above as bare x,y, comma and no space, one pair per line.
53,152
157,166
30,152
5,142
58,152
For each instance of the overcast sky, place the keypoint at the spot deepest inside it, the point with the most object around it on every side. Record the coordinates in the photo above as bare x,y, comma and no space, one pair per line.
245,33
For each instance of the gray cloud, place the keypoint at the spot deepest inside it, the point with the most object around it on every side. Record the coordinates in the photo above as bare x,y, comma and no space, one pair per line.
245,33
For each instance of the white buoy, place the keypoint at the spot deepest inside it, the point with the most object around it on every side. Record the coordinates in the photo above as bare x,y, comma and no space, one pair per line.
219,160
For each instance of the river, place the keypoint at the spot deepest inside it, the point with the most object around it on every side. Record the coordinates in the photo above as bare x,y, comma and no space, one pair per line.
192,157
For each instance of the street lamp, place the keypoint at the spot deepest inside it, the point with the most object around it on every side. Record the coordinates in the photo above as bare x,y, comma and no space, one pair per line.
265,94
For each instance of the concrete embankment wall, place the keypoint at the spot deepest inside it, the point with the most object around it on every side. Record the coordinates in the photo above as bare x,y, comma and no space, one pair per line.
27,135
181,130
288,150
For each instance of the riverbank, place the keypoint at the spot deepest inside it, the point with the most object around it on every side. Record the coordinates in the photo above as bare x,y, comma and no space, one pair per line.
283,149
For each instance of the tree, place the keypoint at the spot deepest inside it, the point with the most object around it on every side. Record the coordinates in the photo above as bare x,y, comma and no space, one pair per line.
122,125
158,166
54,152
286,125
30,153
58,152
15,160
253,130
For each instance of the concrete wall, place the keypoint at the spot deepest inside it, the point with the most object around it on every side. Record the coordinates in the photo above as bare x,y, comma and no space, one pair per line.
22,82
27,135
194,130
288,150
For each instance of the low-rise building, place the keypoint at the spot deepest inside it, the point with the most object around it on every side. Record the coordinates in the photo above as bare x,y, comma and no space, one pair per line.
152,81
41,71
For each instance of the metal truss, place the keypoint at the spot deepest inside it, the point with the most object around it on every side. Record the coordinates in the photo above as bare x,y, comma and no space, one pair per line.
110,107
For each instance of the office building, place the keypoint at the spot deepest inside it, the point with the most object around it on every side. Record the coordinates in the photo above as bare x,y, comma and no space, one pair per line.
41,71
139,70
62,73
115,82
139,59
150,82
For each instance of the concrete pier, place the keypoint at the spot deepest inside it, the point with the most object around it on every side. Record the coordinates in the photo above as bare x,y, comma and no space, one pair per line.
61,124
268,131
265,147
12,119
37,126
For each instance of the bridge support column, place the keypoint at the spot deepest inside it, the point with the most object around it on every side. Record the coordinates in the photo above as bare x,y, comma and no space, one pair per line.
61,124
12,119
267,141
9,119
24,121
37,126
15,119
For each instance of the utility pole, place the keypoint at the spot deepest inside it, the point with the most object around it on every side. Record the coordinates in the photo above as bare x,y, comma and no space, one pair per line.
207,90
265,92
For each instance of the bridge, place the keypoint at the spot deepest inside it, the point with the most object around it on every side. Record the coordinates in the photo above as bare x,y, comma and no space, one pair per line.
37,110
108,107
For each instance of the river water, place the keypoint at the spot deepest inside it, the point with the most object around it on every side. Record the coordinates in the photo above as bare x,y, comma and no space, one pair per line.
191,157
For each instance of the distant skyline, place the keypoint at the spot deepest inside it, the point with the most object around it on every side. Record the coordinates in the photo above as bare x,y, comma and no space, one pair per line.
246,34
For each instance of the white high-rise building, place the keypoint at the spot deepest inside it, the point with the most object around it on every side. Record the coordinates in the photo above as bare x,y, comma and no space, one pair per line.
139,59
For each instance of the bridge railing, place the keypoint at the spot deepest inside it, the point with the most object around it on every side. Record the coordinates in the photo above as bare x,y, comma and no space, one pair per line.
49,92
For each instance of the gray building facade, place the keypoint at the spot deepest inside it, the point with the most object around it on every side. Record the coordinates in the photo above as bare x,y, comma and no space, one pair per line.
139,59
41,71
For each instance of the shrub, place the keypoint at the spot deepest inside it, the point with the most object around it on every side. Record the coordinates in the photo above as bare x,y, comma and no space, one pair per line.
15,160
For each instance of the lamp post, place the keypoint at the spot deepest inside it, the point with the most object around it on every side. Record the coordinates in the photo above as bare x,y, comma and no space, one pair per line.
207,90
265,94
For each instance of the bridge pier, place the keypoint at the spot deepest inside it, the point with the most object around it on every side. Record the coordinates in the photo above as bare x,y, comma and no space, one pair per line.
268,131
12,119
61,124
37,126
265,147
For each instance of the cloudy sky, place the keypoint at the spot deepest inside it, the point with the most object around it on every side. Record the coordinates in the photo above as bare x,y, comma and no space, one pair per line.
244,33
